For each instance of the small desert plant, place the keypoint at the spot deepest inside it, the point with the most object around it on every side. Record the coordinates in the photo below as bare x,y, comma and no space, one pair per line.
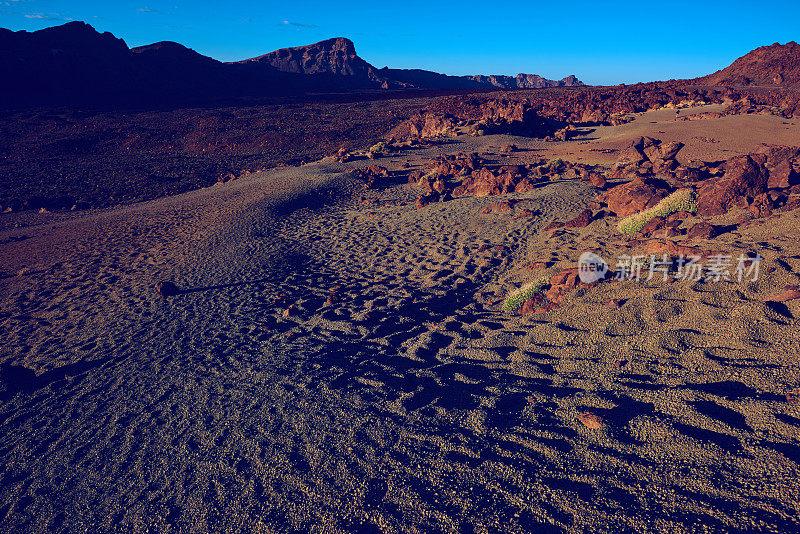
378,147
556,165
517,298
681,200
433,175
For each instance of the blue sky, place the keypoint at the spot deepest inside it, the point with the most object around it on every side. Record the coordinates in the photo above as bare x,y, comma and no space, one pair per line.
601,41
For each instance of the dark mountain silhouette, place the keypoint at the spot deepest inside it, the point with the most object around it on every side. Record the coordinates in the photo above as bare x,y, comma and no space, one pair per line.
74,65
332,57
338,57
774,65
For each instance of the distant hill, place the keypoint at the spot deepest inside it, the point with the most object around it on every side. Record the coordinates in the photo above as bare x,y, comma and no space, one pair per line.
338,57
774,65
75,65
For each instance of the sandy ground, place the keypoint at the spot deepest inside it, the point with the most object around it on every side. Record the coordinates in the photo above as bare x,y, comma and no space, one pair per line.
409,402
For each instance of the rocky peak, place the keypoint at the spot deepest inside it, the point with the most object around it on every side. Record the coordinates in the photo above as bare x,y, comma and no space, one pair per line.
771,65
331,56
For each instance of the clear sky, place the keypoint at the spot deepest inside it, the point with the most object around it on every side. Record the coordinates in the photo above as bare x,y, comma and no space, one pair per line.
600,41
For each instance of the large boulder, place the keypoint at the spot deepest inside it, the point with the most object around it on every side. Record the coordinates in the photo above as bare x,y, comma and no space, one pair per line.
429,124
784,174
745,178
783,163
634,196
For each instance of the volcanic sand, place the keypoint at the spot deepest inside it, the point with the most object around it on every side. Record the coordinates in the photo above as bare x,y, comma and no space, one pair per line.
407,402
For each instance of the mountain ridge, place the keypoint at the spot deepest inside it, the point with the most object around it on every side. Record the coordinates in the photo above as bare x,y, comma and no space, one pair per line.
75,65
773,65
338,56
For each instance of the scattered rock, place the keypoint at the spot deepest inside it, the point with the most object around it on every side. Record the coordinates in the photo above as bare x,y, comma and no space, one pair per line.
678,216
553,225
503,206
744,178
656,223
581,221
168,289
597,180
526,214
424,200
702,230
634,196
591,420
791,293
761,206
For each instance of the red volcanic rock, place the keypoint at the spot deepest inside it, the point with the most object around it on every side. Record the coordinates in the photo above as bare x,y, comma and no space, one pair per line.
761,206
665,233
343,156
525,214
646,149
651,226
632,155
776,64
784,174
424,200
678,216
776,154
702,230
791,204
509,149
377,170
581,221
670,150
433,124
371,174
504,206
590,420
168,289
483,183
632,197
597,180
553,225
561,283
744,177
789,294
529,306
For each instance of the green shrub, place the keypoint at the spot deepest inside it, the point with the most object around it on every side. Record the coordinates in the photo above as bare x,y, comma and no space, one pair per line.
517,298
556,165
681,200
378,147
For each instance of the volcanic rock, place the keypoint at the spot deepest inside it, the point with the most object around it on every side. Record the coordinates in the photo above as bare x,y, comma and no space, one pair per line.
744,178
702,230
633,197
